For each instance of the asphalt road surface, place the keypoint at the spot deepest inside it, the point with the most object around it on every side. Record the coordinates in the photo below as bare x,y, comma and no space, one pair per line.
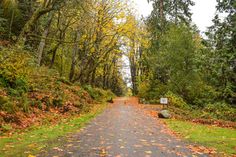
122,130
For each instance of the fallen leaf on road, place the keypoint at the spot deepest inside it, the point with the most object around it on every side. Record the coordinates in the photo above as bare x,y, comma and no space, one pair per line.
142,140
69,145
148,152
103,152
138,146
58,149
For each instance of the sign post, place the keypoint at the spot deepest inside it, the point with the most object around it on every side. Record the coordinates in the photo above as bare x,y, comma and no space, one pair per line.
164,101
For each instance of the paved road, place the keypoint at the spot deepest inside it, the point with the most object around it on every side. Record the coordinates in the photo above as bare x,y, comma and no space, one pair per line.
123,130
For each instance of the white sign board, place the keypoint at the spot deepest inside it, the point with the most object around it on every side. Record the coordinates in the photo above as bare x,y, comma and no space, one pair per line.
164,101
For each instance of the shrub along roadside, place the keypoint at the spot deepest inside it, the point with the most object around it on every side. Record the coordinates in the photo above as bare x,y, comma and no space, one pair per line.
59,98
217,111
98,94
27,92
210,111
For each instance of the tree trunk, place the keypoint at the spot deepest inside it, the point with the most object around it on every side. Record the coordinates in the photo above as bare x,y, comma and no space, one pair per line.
54,52
11,22
61,68
161,14
133,69
161,10
43,40
73,59
104,77
93,77
28,27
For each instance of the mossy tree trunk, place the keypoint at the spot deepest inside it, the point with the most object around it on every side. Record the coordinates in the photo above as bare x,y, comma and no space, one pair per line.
27,29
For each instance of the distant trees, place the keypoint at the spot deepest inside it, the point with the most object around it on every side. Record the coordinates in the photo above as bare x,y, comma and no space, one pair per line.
85,40
200,71
80,39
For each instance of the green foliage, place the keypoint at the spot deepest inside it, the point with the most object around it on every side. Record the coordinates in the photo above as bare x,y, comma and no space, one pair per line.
198,73
176,101
5,127
64,80
3,24
6,104
25,104
222,38
38,104
165,11
143,89
99,94
220,110
152,91
15,93
202,94
9,107
91,91
14,69
3,82
21,84
47,101
57,102
84,107
3,100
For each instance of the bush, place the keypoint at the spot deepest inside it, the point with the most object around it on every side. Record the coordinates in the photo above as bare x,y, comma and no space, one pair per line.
21,84
9,107
37,103
15,92
5,127
25,104
59,98
6,105
220,111
84,107
143,89
99,94
14,69
176,101
3,82
57,102
91,91
3,100
152,92
47,101
64,80
202,94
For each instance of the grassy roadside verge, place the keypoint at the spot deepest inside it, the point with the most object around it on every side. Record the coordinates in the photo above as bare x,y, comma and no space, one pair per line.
223,139
35,139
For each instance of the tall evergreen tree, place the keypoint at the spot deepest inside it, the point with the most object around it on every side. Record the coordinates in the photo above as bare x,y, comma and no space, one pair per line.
222,36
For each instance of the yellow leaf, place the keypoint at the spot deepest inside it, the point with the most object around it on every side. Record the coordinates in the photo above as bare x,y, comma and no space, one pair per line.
148,152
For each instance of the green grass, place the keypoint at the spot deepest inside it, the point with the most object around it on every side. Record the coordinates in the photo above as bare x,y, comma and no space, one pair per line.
34,140
223,139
